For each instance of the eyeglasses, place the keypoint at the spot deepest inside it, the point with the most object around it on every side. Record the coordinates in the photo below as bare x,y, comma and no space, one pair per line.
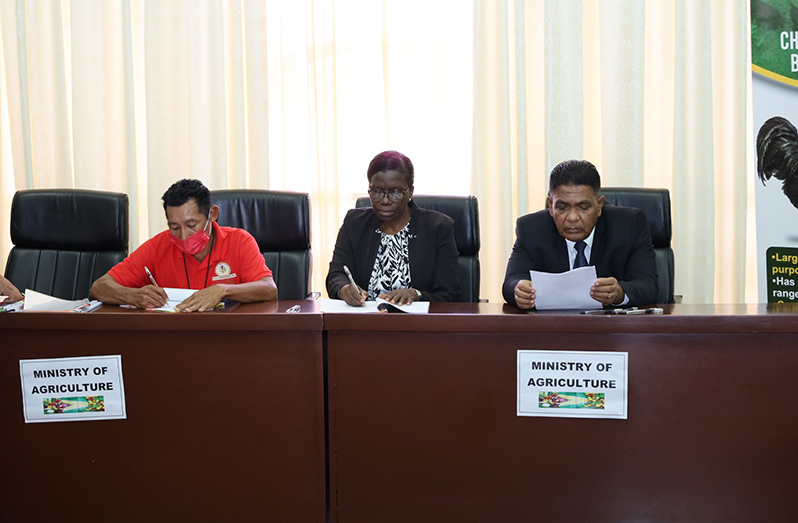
394,194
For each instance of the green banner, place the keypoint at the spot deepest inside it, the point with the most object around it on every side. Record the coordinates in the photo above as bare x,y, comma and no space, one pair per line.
774,39
774,63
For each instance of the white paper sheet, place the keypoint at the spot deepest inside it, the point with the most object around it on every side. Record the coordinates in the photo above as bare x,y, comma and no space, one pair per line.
329,305
566,290
176,297
37,301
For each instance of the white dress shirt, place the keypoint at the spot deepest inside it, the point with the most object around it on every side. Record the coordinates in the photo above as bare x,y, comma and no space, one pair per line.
572,249
588,249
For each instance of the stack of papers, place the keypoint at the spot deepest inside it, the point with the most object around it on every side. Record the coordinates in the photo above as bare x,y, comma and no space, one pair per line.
37,301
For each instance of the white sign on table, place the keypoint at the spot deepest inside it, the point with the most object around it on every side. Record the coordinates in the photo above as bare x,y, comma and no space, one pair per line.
72,389
572,384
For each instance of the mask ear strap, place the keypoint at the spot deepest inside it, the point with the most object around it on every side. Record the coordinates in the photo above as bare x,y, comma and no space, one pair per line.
211,219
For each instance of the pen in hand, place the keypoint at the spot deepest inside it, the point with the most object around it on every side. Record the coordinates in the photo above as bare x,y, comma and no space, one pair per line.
149,274
351,279
352,294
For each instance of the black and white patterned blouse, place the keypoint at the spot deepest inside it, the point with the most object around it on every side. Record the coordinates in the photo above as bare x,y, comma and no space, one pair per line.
392,265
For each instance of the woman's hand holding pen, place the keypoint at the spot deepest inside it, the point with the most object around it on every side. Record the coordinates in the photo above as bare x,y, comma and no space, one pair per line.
352,295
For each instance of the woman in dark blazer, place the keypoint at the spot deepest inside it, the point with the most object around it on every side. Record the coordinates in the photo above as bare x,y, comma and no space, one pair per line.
395,250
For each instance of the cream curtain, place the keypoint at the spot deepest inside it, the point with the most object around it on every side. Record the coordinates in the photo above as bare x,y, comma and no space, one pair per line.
653,92
131,95
485,97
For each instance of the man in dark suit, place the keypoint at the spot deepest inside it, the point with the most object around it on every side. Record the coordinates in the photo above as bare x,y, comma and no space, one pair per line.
575,228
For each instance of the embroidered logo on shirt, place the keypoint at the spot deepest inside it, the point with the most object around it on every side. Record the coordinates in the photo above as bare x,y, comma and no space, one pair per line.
222,271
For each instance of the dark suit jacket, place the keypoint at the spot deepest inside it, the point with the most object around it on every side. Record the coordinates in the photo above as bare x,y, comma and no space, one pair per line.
431,248
621,249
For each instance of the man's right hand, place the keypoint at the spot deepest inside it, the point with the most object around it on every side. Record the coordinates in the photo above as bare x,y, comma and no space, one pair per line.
149,297
524,295
350,295
7,289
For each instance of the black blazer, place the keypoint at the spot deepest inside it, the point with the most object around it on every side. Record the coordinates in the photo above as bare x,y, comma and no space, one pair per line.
621,249
431,248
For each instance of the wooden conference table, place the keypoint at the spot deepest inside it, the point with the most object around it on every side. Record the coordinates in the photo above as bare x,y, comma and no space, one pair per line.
225,419
423,423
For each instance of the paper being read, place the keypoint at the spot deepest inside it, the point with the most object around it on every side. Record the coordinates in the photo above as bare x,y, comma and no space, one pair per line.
565,290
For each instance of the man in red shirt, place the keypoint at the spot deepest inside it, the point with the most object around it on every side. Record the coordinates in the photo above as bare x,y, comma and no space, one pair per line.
195,253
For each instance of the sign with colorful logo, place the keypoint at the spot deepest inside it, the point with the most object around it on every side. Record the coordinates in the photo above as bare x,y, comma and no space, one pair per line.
72,389
572,384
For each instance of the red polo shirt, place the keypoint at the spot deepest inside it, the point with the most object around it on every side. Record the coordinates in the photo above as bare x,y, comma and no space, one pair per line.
235,258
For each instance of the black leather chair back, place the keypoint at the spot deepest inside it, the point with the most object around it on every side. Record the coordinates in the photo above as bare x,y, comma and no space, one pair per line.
656,204
280,223
64,239
464,210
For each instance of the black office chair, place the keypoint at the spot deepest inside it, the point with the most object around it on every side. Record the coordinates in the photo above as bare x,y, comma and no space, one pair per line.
464,210
280,223
656,205
64,239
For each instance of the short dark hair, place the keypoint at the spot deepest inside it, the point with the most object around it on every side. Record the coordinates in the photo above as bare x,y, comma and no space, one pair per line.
575,172
185,190
392,161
